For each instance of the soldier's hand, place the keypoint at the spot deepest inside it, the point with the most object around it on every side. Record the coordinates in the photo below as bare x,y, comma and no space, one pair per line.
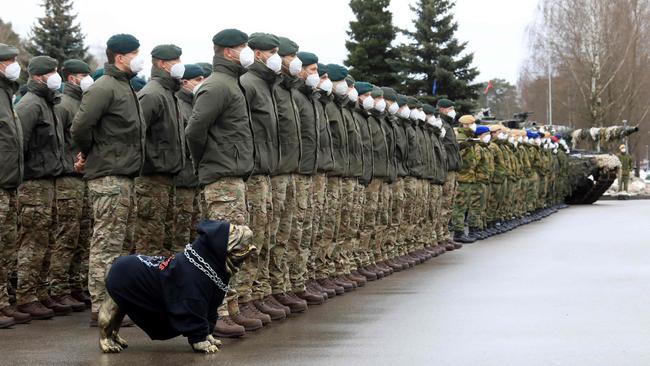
80,163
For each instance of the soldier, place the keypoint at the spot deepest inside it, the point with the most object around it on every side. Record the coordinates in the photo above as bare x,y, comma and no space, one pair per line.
43,150
164,151
498,183
626,166
11,172
478,198
220,140
185,206
466,177
71,197
434,126
253,282
447,115
109,131
306,179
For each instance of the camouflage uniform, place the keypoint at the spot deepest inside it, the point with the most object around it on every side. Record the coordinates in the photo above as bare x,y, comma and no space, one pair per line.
284,197
329,221
79,266
466,178
318,213
370,208
259,202
8,236
301,232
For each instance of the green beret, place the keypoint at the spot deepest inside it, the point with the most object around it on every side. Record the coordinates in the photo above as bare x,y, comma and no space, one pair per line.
401,100
363,87
412,102
263,41
230,38
350,80
74,66
307,58
207,68
336,72
377,92
444,103
193,71
7,52
98,73
166,52
287,47
123,43
428,109
322,69
137,83
41,65
389,94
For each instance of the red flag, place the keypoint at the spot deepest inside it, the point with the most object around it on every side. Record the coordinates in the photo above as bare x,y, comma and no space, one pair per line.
488,87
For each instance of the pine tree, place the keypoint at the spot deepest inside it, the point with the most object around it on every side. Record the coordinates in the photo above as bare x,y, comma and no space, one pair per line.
371,56
56,35
434,55
502,99
8,36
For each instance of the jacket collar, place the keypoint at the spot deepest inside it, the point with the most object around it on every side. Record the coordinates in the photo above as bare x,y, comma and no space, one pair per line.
221,65
73,91
41,90
165,79
110,69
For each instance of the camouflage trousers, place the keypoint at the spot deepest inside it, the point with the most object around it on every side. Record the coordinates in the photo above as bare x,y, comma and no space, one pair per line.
446,207
79,267
113,209
532,192
475,212
329,222
384,218
462,203
184,217
345,240
69,206
319,192
36,204
253,279
495,201
298,248
410,215
8,244
225,200
420,234
284,201
369,222
395,239
542,191
357,218
154,195
435,206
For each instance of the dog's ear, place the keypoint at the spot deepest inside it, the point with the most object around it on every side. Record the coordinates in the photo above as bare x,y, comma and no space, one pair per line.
239,246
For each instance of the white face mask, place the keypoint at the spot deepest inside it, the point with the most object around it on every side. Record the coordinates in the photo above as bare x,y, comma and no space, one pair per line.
341,88
414,114
520,139
312,80
12,71
502,136
177,70
326,86
246,57
511,140
473,127
353,95
274,63
196,88
368,103
435,122
380,105
86,82
54,81
486,139
136,64
452,114
443,132
393,108
405,112
295,66
422,116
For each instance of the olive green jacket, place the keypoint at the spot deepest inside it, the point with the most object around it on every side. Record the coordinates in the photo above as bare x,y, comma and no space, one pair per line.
288,126
65,112
415,162
325,147
187,177
338,129
380,154
401,145
355,145
361,117
11,138
309,128
452,149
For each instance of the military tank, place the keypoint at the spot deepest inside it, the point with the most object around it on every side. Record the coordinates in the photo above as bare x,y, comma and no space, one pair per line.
593,166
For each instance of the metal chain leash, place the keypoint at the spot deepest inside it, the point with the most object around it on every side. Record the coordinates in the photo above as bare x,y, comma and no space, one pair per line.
207,270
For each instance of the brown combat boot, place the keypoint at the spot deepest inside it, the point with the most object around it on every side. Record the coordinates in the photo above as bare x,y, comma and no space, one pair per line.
326,283
347,286
249,324
250,311
36,310
273,312
81,297
68,300
329,292
310,297
358,278
272,301
6,321
19,317
59,309
226,328
370,276
396,267
293,304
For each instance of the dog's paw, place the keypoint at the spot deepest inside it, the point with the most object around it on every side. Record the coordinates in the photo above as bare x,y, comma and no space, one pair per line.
119,340
107,345
214,341
205,347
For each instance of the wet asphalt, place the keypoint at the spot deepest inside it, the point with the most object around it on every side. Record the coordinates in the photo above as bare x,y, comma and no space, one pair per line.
573,289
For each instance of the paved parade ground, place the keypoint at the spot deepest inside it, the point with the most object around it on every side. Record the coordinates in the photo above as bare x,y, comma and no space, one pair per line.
573,289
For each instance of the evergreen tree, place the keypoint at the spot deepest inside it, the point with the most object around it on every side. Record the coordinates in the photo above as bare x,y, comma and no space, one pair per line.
8,36
56,35
434,55
371,56
502,98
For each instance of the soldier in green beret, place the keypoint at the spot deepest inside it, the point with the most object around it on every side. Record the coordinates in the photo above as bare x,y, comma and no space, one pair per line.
220,141
206,67
109,130
164,152
185,207
43,157
452,153
72,236
11,175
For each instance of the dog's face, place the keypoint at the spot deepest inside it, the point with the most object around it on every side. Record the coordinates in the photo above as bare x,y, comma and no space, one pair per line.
239,247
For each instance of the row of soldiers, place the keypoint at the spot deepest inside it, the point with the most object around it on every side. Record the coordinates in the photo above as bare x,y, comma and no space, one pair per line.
341,181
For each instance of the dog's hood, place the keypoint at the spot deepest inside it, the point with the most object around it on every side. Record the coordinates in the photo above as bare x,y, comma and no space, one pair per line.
212,243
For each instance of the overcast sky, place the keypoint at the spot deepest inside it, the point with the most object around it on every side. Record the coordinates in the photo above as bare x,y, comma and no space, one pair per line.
495,30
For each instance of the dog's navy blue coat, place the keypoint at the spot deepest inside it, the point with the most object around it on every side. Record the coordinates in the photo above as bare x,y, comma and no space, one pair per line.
168,298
